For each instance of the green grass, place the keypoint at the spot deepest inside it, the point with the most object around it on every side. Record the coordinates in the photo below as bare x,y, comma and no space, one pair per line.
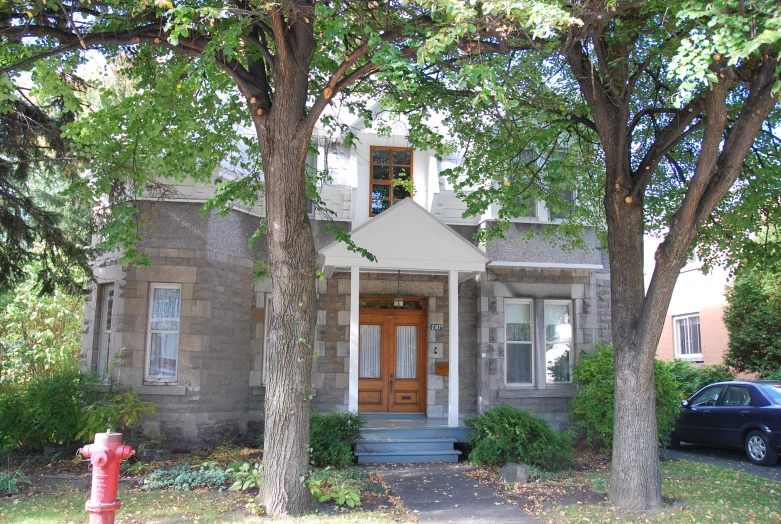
160,507
699,493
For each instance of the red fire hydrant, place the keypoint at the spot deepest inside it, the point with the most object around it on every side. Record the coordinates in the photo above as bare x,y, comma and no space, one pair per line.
105,454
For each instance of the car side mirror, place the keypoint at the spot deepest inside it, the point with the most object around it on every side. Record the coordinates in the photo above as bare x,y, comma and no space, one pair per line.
685,403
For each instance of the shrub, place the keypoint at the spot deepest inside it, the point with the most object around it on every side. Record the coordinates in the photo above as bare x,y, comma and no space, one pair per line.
507,434
10,480
692,378
184,478
61,409
331,437
344,487
592,407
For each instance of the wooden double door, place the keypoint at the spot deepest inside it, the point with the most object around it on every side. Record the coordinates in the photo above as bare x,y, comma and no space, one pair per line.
392,361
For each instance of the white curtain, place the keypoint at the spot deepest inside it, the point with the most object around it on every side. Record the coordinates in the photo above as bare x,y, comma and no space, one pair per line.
406,351
164,327
369,351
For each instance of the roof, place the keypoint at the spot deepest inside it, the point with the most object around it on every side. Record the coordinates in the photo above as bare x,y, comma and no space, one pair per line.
406,237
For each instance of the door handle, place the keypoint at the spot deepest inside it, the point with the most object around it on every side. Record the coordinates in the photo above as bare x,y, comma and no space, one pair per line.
744,413
707,411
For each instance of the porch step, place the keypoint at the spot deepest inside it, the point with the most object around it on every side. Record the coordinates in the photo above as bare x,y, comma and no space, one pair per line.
400,457
459,434
403,445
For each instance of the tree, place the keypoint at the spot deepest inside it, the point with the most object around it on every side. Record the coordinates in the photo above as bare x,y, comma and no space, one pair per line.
753,319
202,68
666,99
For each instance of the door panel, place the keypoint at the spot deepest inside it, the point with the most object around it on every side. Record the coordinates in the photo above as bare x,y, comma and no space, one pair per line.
392,361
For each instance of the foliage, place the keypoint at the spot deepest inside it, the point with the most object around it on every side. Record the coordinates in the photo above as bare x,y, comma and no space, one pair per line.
10,480
344,487
117,411
331,437
753,319
247,476
40,335
507,434
185,478
691,378
61,409
592,407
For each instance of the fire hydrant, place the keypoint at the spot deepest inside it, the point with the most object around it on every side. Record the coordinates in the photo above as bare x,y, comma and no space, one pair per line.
105,455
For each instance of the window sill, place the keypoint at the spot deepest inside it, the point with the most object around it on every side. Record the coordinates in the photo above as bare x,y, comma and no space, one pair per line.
564,391
172,389
690,358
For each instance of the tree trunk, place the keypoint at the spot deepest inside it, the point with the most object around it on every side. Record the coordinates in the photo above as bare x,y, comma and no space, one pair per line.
636,478
292,330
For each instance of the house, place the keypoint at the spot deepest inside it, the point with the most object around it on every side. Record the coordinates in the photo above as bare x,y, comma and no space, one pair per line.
436,330
694,329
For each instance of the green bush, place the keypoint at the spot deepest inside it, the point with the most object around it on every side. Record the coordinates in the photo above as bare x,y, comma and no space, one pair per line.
692,378
183,478
331,437
61,409
507,434
592,407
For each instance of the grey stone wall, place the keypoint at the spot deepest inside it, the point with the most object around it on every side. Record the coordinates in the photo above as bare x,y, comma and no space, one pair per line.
526,243
604,315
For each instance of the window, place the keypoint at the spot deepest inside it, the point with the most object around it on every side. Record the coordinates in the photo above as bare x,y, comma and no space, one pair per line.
530,206
737,396
519,347
706,398
266,328
564,209
106,297
391,176
687,337
163,338
558,341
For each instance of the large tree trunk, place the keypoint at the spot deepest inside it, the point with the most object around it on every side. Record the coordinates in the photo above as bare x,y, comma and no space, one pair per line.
636,479
292,331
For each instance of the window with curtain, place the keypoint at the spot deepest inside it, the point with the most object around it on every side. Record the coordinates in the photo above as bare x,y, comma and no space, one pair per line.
163,340
369,347
106,294
687,337
558,341
519,347
391,173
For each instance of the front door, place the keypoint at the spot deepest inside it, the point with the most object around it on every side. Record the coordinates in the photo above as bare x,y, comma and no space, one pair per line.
392,361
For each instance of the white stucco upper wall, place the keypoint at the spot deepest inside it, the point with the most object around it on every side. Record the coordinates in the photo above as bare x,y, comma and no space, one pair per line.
694,290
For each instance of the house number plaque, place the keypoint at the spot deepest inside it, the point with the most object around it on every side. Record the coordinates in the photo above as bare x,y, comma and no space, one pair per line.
436,327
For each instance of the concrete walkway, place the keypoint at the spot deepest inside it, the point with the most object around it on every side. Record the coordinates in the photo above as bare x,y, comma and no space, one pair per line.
725,458
444,493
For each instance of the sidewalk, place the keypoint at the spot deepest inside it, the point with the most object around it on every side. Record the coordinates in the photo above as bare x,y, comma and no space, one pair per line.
444,493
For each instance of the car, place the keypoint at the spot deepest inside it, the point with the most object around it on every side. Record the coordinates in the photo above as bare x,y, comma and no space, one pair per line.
742,414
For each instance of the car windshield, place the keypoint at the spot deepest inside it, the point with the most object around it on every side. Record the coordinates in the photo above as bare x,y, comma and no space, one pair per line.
774,392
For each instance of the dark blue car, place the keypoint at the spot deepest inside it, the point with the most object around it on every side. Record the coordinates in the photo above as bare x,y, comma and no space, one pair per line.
739,415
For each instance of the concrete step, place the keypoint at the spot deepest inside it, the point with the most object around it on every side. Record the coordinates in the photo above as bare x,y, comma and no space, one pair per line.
405,444
389,432
414,457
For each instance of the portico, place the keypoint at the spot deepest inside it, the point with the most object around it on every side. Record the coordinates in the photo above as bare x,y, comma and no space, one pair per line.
386,365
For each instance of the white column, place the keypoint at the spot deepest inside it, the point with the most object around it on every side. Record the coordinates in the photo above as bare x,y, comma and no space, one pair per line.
452,408
352,402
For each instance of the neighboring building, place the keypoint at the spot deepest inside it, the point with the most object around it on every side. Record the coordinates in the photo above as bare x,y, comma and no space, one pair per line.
694,329
437,326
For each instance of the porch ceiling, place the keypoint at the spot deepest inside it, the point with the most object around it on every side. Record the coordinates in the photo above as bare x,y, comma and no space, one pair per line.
406,237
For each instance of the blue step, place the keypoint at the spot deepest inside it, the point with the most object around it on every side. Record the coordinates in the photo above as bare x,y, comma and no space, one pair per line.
405,444
395,457
435,432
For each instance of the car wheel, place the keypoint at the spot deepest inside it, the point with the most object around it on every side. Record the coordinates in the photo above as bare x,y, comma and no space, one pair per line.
759,451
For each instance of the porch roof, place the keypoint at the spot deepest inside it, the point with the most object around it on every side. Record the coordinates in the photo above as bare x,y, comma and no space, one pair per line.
406,237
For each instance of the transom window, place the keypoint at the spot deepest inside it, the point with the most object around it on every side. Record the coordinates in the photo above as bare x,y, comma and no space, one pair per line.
687,337
391,177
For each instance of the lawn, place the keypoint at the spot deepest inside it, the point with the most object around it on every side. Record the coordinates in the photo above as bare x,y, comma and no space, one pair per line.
693,493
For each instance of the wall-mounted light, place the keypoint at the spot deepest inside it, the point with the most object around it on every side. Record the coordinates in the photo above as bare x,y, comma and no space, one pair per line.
398,300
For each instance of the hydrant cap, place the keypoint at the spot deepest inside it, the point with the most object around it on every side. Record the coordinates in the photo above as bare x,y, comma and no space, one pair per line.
108,438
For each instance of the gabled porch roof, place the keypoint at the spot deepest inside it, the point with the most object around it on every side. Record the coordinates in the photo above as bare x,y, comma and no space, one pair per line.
406,237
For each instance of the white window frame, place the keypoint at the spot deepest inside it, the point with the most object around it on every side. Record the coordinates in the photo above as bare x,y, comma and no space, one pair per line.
266,322
561,302
104,337
677,341
156,379
533,332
